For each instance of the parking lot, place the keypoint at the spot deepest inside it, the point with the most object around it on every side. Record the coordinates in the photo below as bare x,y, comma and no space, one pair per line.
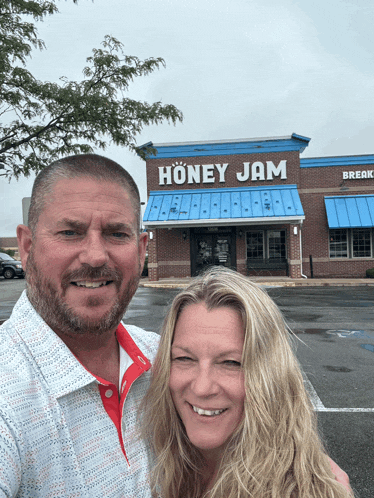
334,331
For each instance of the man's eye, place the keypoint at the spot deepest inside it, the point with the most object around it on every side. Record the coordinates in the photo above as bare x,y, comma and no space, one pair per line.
119,235
68,232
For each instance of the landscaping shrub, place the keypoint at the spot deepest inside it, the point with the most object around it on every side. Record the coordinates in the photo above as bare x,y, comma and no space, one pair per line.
370,273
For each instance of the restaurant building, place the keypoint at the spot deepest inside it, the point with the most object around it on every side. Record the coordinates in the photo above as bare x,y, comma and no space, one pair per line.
254,205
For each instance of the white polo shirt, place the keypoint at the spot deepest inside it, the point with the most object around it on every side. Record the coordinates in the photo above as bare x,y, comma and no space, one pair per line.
65,433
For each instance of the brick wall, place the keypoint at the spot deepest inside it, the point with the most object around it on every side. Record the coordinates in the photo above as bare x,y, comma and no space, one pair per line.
316,183
10,243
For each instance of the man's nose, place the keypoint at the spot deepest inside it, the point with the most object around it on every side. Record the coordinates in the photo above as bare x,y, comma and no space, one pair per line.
94,252
205,382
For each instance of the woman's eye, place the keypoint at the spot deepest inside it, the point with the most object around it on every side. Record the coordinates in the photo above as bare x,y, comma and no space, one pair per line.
182,358
232,363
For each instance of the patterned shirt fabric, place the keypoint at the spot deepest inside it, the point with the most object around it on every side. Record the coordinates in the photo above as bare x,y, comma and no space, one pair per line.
63,432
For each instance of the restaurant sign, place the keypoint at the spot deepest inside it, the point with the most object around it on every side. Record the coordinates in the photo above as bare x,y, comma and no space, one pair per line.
180,173
353,175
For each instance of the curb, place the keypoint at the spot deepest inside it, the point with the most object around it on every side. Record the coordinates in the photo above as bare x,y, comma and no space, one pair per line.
334,283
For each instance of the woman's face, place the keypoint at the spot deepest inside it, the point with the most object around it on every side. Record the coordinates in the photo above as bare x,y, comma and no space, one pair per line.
206,379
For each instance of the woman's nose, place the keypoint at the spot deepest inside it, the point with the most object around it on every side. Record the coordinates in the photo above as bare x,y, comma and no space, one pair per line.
205,382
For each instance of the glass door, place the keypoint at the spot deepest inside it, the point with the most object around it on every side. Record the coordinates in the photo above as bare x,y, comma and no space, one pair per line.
208,249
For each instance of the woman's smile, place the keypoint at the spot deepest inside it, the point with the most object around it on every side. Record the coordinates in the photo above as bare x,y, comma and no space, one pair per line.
208,412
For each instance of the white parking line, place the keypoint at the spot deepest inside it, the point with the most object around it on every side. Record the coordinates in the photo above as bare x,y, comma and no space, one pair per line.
347,410
314,398
319,406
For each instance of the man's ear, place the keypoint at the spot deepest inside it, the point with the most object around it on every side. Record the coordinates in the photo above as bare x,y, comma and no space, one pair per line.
24,238
143,241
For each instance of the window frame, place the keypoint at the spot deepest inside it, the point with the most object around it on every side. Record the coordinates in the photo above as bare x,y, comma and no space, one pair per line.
265,244
367,230
282,236
343,230
349,243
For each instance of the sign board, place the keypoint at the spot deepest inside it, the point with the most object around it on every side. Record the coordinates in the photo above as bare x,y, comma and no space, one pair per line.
25,209
180,173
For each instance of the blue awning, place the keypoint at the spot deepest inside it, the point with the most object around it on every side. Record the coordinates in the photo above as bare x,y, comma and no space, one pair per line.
350,211
223,206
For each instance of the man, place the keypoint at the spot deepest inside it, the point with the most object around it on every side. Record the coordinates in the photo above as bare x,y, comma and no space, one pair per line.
71,375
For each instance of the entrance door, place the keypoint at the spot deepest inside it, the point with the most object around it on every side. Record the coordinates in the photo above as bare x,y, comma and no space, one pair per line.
212,249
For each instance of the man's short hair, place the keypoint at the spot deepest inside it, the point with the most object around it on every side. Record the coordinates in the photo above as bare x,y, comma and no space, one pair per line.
90,166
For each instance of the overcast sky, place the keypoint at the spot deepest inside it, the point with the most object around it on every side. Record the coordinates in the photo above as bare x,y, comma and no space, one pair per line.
238,69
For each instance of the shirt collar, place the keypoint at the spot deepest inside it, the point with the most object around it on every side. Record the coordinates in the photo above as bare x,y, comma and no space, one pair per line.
56,363
129,345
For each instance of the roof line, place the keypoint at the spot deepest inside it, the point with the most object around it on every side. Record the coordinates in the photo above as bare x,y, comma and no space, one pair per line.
335,157
224,221
222,190
223,141
345,196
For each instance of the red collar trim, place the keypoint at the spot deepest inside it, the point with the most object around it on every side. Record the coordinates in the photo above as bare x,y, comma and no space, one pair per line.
112,402
128,344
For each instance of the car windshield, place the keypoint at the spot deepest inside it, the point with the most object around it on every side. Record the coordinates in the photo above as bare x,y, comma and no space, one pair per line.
6,256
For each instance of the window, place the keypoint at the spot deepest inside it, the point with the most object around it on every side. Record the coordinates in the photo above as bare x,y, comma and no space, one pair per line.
277,244
361,243
266,245
255,245
351,243
338,243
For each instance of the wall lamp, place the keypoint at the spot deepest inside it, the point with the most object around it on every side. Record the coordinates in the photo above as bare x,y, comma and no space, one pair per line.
240,233
184,235
343,187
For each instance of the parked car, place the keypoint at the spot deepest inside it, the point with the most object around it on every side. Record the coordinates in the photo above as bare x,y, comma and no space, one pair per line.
10,267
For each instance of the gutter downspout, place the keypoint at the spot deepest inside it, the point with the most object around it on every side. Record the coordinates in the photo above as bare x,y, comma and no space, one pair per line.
301,256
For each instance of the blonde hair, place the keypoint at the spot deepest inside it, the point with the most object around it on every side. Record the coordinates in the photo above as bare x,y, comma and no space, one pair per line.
275,452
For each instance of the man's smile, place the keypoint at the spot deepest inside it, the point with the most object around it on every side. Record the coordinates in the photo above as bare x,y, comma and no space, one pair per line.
91,285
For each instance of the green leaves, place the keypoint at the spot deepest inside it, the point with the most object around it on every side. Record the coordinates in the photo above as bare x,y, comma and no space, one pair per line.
45,121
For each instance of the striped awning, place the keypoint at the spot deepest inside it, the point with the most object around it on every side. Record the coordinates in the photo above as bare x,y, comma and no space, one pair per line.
350,211
223,206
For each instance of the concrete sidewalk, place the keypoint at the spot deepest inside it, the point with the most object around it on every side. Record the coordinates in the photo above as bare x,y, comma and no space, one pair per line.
179,283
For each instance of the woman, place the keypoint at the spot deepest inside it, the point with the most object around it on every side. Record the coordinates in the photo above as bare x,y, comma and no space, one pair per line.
227,414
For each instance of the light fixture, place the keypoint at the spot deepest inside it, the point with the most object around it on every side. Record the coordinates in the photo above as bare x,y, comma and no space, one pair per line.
240,233
343,187
184,235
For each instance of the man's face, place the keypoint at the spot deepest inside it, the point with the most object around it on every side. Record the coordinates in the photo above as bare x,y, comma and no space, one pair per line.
85,258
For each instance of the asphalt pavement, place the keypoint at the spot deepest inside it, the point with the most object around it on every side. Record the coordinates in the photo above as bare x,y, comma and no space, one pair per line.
334,341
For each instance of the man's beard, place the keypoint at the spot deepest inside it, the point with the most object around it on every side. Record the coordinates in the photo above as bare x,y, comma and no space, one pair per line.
44,297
